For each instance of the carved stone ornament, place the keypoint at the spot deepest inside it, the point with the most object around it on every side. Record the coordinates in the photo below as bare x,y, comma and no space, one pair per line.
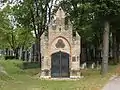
60,44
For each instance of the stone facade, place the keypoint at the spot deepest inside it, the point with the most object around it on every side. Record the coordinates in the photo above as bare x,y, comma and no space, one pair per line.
60,38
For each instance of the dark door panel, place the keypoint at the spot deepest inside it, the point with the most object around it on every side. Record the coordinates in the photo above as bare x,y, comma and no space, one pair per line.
60,64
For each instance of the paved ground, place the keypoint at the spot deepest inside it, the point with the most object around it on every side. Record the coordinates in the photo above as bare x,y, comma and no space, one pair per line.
114,84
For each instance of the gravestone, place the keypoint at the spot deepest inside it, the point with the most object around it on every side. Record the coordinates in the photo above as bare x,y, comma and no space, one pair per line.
60,50
84,65
93,65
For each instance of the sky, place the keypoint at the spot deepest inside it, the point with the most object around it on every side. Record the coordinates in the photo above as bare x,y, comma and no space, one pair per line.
3,5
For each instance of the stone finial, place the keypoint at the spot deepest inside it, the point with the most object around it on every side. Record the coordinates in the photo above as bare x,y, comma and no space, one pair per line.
60,13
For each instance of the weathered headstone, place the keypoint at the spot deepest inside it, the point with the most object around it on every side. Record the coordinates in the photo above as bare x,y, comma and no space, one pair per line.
84,65
93,65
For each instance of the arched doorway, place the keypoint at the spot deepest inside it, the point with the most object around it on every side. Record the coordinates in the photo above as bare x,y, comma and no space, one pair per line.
60,64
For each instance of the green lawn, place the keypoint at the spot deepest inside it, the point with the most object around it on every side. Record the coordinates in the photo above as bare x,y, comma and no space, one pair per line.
26,79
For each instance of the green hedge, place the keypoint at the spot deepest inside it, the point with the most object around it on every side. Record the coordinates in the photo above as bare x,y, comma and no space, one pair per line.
10,57
31,65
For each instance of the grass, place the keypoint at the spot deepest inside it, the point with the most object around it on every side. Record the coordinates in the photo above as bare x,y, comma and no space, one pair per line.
25,79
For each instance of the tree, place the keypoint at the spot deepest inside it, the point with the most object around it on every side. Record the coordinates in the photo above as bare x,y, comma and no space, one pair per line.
12,37
115,28
81,15
107,11
35,15
98,16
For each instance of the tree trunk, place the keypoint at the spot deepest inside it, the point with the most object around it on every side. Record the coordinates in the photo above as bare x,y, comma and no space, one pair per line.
38,50
25,55
30,55
104,68
117,44
117,52
6,51
16,53
20,53
114,51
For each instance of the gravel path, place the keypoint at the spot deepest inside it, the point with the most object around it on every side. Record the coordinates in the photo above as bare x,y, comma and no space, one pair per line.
113,84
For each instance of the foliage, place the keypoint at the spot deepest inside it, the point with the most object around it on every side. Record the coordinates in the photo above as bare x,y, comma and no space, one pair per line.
106,8
83,20
30,65
34,15
106,11
11,36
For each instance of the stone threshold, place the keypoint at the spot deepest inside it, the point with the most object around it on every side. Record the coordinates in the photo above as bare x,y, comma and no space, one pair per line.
62,79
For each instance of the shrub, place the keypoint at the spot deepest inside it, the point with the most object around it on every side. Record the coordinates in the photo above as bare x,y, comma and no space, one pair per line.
31,65
10,57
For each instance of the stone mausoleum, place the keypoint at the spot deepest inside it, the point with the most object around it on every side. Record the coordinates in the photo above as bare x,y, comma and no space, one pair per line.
60,50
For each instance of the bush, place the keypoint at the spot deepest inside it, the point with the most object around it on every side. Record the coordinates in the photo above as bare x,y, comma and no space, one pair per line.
10,57
31,65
